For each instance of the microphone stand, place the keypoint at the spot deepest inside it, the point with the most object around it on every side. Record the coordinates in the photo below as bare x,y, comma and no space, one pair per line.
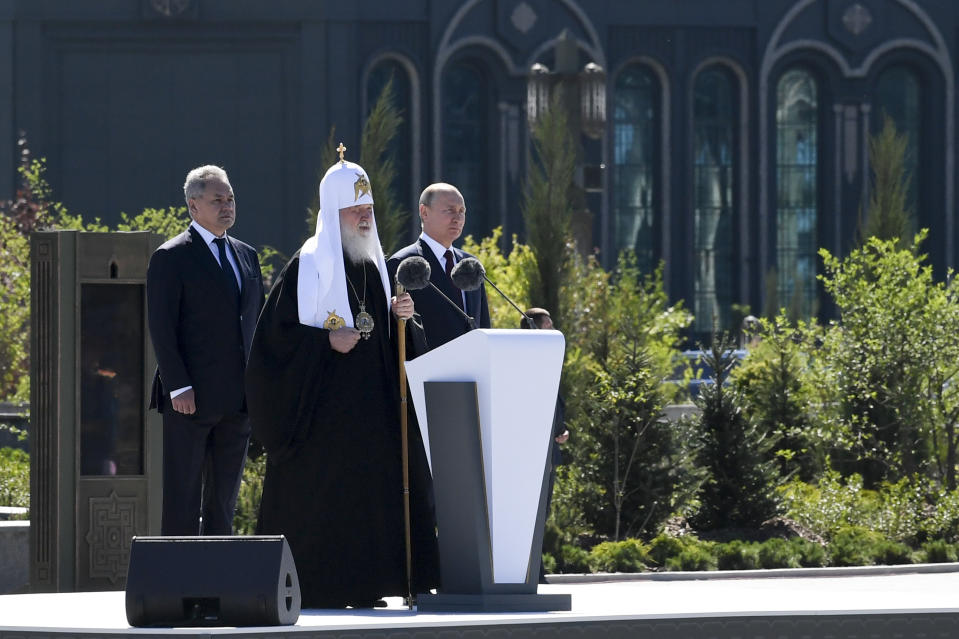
529,320
469,318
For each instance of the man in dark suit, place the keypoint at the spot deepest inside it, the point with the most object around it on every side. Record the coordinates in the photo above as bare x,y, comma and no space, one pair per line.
442,214
204,292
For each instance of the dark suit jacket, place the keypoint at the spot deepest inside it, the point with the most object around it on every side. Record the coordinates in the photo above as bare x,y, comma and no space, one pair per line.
200,334
440,321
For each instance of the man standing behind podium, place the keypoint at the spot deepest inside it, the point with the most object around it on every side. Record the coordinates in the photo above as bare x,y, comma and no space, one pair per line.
442,214
204,291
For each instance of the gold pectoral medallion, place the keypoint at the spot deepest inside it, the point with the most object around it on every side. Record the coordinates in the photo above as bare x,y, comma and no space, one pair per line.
334,321
363,322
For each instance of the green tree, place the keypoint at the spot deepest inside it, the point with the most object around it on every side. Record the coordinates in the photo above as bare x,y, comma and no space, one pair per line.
740,490
547,208
888,216
632,468
773,384
893,355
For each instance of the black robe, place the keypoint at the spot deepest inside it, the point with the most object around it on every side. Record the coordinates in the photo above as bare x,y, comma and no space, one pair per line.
330,425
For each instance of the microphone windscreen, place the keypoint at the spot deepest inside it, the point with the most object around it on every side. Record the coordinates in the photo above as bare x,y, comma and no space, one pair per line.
468,274
413,273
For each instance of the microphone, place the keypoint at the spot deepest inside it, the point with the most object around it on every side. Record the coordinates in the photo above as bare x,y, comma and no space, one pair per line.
469,274
413,273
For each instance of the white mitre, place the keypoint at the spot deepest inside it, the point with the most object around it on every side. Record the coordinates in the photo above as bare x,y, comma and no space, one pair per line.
321,291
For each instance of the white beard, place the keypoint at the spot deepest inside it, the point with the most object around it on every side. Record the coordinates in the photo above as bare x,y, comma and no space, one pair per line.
359,247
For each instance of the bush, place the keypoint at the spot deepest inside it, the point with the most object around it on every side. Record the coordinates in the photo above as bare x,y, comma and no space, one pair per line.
897,511
699,557
664,546
508,271
941,521
938,552
629,555
892,553
855,546
737,555
549,564
811,554
682,553
778,553
15,319
572,559
14,478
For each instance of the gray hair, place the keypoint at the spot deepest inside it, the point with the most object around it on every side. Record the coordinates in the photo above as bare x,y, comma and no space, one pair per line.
196,180
426,197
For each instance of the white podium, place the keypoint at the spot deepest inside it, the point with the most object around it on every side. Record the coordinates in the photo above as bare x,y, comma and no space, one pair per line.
485,404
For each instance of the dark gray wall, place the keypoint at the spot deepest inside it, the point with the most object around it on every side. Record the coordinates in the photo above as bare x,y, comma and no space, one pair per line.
124,101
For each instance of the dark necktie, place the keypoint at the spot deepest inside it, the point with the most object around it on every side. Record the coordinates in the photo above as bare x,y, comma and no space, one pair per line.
225,266
448,256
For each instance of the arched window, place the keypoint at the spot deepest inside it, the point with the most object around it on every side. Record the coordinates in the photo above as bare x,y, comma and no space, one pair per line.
797,144
401,146
715,156
899,98
466,139
636,124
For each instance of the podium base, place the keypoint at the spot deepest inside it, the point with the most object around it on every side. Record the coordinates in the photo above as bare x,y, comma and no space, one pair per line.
443,602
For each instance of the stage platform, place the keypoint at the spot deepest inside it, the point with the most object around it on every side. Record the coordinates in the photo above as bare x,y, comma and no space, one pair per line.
874,603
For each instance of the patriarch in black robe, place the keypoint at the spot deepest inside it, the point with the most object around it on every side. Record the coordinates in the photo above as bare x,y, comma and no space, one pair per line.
323,398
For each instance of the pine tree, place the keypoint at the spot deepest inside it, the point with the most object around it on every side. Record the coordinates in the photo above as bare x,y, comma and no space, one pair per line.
740,491
888,216
547,208
635,468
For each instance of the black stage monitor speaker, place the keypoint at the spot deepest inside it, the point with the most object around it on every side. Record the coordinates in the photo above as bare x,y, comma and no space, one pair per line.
212,581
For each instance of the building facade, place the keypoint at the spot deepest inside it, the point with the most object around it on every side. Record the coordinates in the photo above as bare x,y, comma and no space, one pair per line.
735,142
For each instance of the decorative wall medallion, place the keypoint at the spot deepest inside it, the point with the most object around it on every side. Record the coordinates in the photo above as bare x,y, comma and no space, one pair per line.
170,8
523,17
856,19
111,529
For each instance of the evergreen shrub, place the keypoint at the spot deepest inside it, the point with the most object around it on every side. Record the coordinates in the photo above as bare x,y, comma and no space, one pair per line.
629,555
664,546
892,553
549,563
778,553
698,557
938,551
855,546
738,555
572,559
810,554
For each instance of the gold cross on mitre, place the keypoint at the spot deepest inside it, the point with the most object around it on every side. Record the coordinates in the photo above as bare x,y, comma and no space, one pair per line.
341,150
